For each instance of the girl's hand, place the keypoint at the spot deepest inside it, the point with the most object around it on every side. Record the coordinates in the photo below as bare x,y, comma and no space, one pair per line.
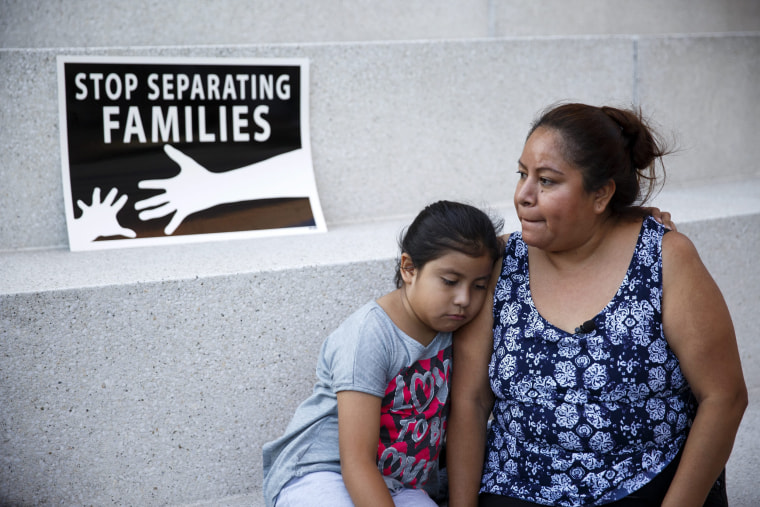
662,217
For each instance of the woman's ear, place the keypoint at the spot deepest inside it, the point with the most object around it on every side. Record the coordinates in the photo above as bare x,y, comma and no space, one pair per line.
407,268
603,196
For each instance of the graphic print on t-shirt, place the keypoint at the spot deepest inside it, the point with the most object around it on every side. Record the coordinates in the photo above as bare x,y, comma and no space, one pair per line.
413,420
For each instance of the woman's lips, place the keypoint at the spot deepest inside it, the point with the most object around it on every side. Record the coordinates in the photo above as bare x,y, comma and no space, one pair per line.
524,220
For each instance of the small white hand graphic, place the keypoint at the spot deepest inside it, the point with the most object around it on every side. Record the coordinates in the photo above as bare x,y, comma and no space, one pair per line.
99,218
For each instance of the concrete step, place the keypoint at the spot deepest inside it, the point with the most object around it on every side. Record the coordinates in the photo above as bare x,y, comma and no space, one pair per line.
413,122
152,376
113,23
158,382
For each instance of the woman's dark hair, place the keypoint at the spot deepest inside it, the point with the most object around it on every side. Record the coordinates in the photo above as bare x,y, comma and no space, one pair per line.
445,226
608,143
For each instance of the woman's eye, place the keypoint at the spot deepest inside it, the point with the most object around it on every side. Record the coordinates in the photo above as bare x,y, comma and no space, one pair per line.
521,174
546,181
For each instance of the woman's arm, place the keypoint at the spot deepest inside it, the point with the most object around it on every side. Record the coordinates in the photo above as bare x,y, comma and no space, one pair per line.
698,328
359,434
471,404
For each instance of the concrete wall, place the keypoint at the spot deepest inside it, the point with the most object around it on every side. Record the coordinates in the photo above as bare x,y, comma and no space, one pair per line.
109,23
577,17
387,115
161,393
152,376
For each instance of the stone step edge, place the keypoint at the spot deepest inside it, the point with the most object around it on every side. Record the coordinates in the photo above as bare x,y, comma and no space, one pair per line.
33,271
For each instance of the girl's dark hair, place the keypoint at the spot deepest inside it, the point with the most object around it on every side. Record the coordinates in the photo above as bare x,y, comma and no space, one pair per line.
609,143
444,226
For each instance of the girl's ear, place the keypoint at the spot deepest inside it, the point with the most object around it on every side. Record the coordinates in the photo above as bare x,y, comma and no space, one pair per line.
407,268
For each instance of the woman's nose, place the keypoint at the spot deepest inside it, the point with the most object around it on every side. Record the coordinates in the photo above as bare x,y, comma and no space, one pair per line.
525,192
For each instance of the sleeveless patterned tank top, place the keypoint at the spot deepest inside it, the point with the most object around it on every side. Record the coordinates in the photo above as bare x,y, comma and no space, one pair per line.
584,418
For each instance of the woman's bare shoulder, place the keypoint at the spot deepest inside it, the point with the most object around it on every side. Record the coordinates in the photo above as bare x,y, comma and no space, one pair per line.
677,248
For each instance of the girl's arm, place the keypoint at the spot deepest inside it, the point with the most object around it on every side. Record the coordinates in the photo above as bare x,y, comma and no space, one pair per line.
359,434
662,217
698,328
471,404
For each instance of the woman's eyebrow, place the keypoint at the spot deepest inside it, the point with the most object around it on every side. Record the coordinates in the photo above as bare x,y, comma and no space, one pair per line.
541,168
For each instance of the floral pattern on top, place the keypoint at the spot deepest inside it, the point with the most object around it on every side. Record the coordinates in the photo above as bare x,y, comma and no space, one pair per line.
590,417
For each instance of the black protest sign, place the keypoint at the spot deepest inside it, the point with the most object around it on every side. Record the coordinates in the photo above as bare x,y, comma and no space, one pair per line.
177,150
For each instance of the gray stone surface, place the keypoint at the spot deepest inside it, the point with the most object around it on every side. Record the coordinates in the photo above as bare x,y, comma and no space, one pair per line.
405,122
161,393
114,23
152,376
704,91
411,122
575,17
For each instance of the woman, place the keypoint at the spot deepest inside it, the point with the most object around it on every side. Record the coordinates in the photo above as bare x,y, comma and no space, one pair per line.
609,361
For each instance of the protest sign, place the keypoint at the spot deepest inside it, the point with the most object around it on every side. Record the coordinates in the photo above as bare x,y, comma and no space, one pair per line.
168,150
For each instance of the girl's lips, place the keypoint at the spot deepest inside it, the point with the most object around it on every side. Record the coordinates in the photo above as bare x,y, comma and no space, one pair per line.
456,316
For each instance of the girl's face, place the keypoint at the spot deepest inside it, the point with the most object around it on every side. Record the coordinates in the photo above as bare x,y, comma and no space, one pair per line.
554,209
447,292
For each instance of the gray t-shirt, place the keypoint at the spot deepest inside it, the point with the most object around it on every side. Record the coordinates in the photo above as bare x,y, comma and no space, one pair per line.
369,354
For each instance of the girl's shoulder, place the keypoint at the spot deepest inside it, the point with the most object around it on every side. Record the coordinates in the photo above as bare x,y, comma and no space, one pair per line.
371,314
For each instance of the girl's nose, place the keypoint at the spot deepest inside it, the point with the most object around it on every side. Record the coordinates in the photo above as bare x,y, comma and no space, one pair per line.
462,297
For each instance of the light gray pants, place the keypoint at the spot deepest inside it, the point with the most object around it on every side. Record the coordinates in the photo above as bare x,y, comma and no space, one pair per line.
327,489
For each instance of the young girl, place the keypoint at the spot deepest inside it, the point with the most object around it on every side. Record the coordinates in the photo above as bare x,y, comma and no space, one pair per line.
372,430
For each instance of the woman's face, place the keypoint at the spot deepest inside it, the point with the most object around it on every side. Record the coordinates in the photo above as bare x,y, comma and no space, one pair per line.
555,211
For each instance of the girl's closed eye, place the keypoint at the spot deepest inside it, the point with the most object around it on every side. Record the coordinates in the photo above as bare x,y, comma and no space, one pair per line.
448,282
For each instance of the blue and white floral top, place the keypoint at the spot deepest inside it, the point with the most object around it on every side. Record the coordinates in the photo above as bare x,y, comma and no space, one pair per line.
584,418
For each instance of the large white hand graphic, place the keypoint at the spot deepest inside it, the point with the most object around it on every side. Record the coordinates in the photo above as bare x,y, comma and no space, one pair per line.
196,188
183,195
99,218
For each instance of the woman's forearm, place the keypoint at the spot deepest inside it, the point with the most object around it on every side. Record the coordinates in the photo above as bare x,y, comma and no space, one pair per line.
706,451
465,452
